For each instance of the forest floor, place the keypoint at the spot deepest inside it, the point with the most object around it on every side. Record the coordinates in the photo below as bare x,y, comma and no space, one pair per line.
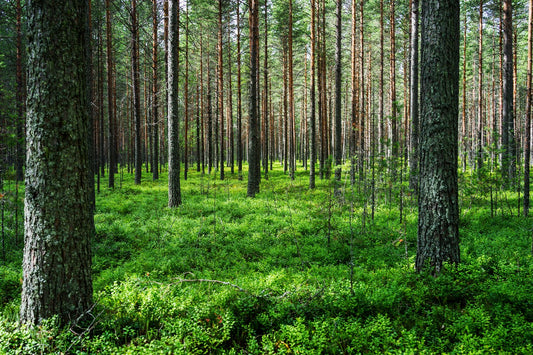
292,271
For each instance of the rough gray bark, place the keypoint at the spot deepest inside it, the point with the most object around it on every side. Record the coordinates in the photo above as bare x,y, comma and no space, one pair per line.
58,212
174,190
254,155
438,210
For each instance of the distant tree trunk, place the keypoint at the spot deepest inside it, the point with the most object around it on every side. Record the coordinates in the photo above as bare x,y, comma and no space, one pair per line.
112,160
230,130
174,189
210,150
413,98
58,220
186,98
480,91
464,120
508,144
136,91
254,155
312,119
322,93
529,97
199,146
285,112
362,117
381,104
394,104
155,98
19,126
220,95
354,131
305,118
438,224
265,96
239,96
338,99
292,135
101,128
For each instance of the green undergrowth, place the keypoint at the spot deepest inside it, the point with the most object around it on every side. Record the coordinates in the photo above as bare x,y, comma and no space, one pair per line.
293,271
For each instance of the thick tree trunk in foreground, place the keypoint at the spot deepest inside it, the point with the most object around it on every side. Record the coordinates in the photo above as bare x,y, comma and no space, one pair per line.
254,155
438,221
58,212
174,190
508,144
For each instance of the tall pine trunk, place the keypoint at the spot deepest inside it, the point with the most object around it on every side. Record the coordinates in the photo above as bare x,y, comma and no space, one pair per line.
174,189
136,92
508,144
58,210
312,119
338,100
254,155
527,141
438,207
220,93
155,96
111,139
413,98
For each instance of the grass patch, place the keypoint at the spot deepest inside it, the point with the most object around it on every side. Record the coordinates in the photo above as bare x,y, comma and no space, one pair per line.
291,271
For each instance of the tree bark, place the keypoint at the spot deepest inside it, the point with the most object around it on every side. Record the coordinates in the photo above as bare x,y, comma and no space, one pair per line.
58,210
480,91
19,125
174,189
312,119
220,94
508,144
265,96
413,98
239,96
438,224
381,104
155,96
186,98
338,100
111,149
292,135
395,143
254,155
136,92
527,144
